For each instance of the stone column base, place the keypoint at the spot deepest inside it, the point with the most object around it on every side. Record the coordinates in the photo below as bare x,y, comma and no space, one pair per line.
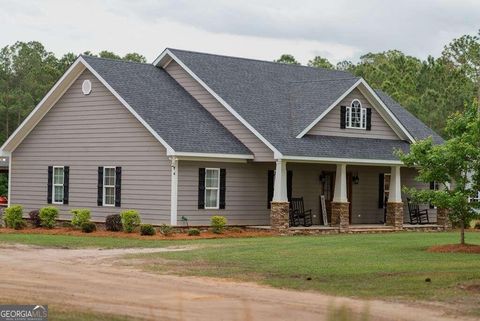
341,215
442,218
279,216
395,214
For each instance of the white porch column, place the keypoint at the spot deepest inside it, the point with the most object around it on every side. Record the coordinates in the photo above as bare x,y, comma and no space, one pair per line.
174,192
395,193
280,183
340,194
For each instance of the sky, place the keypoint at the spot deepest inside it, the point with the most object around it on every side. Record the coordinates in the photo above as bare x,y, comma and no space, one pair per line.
262,29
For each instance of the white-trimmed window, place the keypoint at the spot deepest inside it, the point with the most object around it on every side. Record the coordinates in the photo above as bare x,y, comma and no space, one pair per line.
109,186
58,184
356,115
212,188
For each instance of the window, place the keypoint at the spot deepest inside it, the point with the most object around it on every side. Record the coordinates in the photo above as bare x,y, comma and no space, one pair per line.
356,115
109,186
58,182
212,188
386,188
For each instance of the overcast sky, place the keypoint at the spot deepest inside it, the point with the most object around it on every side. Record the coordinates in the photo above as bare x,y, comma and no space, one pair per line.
263,29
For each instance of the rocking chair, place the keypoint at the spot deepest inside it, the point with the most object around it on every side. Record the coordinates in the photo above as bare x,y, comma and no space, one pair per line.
298,214
417,216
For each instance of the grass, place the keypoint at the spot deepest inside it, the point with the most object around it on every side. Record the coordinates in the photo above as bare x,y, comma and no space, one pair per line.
386,266
68,241
393,266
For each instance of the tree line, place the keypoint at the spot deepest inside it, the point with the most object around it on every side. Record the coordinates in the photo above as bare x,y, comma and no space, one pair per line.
431,89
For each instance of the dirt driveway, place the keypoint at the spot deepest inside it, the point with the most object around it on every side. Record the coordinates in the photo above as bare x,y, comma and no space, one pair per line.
90,279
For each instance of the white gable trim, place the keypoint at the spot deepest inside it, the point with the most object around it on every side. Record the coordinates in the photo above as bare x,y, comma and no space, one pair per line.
403,130
336,160
67,80
166,52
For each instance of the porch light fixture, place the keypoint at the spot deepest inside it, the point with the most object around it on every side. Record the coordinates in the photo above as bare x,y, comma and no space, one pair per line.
322,177
355,179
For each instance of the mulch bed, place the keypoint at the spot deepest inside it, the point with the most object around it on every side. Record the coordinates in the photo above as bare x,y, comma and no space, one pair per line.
136,235
455,248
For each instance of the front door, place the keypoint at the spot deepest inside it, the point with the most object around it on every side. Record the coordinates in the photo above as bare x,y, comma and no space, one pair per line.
349,196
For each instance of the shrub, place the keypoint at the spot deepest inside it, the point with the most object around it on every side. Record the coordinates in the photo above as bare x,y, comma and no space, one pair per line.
113,223
130,220
80,216
193,232
35,218
88,227
13,217
166,230
218,224
48,216
477,225
147,229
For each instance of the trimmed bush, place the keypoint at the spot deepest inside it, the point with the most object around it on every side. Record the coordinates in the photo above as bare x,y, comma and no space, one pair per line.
80,216
48,216
88,227
193,232
113,223
130,220
218,224
35,218
147,229
13,217
166,230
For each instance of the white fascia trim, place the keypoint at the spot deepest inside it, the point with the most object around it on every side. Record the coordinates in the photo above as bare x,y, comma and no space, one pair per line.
326,111
4,153
390,114
208,155
39,105
276,153
170,150
335,160
378,100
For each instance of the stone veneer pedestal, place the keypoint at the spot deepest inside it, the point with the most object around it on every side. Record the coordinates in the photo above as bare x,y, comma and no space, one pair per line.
279,218
395,214
341,215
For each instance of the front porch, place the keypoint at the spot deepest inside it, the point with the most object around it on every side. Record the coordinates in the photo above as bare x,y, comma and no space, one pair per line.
347,197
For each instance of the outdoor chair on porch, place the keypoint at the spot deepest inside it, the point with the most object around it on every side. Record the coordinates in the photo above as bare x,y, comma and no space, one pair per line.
417,216
298,215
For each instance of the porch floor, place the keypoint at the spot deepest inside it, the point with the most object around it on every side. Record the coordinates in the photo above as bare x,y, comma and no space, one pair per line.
361,228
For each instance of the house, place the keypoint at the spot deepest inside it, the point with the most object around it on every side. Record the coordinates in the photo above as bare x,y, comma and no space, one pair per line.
194,135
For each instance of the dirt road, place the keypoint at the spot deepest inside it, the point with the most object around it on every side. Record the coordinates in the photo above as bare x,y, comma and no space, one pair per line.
90,279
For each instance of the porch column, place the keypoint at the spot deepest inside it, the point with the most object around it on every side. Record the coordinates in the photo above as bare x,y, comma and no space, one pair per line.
395,203
174,191
340,204
442,218
279,218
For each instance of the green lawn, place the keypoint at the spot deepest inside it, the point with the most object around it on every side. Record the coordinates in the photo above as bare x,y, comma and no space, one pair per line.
389,266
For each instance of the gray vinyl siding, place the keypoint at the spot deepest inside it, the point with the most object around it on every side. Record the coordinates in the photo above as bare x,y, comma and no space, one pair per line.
330,124
245,195
85,132
258,148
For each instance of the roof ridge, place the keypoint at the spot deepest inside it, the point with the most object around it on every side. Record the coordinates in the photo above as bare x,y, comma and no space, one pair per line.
258,60
320,80
116,60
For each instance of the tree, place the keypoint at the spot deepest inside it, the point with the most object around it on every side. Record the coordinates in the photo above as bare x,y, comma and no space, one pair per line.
109,55
464,53
287,59
3,184
135,57
455,165
320,62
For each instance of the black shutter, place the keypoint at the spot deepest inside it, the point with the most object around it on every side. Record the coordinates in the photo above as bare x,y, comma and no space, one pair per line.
271,177
201,188
289,184
223,173
369,119
118,186
381,191
49,184
66,182
100,187
343,115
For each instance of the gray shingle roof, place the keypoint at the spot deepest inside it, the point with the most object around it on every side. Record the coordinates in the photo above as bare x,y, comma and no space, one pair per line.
279,99
173,113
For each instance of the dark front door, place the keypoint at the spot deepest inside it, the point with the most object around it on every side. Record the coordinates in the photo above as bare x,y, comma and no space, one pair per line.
349,196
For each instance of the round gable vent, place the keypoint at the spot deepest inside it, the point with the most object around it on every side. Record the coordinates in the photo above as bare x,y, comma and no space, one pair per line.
86,87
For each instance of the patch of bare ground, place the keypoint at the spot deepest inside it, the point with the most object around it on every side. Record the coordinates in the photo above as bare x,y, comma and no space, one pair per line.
238,233
455,248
